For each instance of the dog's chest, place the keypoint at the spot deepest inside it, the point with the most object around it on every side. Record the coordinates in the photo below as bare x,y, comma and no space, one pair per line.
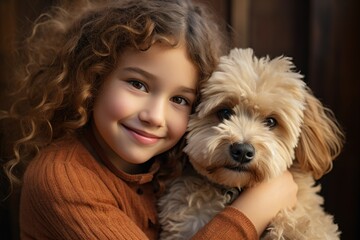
190,203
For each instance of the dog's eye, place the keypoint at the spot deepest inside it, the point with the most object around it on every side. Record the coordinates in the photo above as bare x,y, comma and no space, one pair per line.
270,122
224,114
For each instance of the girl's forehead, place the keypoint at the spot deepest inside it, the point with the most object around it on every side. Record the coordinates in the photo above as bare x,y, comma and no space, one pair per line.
161,61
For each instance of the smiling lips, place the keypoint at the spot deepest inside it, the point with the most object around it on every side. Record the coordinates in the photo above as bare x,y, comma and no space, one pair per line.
142,137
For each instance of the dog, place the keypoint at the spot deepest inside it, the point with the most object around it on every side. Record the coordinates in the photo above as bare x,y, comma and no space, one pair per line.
256,118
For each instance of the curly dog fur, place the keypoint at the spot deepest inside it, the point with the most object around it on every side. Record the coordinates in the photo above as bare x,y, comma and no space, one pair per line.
256,118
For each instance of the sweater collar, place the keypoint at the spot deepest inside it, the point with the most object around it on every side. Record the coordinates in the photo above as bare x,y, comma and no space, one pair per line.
135,178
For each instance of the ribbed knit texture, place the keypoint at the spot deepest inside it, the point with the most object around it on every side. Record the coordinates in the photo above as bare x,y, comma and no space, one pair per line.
230,224
67,194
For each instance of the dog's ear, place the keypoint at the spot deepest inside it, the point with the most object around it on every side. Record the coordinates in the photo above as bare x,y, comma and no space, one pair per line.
321,139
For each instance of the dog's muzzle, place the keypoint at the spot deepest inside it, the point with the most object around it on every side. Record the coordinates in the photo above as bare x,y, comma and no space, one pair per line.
242,152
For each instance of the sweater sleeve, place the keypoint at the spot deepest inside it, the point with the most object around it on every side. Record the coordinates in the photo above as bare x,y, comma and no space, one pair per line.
228,224
64,200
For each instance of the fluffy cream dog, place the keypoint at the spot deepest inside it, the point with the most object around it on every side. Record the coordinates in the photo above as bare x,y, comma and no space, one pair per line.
256,119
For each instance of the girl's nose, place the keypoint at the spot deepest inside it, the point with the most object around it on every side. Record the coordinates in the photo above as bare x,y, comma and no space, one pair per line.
153,113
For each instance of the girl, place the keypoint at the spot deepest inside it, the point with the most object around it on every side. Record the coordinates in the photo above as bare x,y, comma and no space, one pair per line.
102,107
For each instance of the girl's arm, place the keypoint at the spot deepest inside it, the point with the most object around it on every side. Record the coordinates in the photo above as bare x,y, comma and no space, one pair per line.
252,211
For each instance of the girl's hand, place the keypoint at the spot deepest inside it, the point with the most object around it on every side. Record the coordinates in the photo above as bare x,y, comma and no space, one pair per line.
262,202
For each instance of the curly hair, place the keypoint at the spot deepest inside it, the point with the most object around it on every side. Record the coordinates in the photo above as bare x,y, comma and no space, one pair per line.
70,51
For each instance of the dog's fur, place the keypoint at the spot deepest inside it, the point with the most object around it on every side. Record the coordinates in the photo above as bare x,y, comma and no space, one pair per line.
256,118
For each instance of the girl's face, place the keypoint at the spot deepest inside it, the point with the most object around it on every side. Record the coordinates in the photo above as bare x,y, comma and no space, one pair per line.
143,107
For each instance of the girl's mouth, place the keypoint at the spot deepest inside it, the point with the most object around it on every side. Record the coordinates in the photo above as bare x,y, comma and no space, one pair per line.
142,137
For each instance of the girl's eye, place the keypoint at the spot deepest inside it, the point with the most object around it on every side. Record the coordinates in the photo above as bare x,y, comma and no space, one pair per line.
270,122
180,100
224,113
138,85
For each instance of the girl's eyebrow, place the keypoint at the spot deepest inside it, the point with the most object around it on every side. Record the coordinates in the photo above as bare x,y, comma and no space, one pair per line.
141,72
153,77
188,90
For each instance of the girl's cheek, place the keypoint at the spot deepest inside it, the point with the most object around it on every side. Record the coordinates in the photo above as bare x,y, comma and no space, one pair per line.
117,106
180,125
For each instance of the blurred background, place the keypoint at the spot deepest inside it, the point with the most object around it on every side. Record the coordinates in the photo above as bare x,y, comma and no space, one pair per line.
322,37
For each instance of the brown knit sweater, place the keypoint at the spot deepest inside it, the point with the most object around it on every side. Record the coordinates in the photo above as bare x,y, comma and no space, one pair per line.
67,194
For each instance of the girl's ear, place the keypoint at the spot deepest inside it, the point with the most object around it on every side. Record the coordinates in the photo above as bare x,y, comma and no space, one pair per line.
321,138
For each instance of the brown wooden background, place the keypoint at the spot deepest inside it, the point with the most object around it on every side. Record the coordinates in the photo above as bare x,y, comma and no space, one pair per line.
322,36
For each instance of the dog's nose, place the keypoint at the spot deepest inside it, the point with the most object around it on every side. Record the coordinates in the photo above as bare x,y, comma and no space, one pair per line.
242,152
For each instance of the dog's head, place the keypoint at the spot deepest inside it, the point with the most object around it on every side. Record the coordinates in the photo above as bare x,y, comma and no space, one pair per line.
255,119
